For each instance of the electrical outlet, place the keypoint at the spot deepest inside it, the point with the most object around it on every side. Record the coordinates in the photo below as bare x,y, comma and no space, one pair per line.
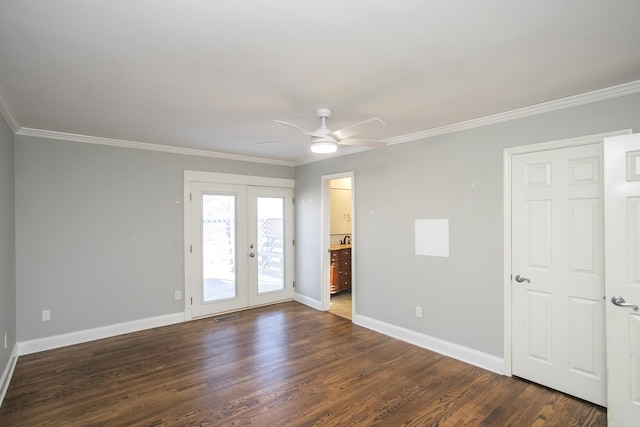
418,311
178,295
46,315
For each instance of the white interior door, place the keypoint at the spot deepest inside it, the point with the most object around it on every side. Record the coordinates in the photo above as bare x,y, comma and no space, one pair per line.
558,330
241,248
622,250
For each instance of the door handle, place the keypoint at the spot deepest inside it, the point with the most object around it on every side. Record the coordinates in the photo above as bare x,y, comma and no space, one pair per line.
252,255
521,279
620,302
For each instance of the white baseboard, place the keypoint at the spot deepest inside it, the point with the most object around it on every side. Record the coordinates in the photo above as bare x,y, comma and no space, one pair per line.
464,354
303,299
57,341
8,373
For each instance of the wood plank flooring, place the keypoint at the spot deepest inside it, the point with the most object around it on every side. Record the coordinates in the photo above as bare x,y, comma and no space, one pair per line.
282,365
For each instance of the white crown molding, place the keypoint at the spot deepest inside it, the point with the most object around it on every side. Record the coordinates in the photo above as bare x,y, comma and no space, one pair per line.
545,107
7,111
532,110
40,133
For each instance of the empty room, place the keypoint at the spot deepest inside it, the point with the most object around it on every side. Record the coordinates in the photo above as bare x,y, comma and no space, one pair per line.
319,213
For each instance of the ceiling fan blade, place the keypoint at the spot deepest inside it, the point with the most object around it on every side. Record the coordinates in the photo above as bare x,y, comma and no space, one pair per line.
306,132
362,142
355,129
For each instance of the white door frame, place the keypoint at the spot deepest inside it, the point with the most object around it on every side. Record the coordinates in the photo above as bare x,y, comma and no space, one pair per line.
325,239
507,159
218,178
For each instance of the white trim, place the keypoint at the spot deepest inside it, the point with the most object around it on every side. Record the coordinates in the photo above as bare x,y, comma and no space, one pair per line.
310,302
7,374
506,265
188,274
7,111
229,178
508,153
532,110
63,340
464,354
41,133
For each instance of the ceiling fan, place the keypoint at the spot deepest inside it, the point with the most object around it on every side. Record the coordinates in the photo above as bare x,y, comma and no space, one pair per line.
325,140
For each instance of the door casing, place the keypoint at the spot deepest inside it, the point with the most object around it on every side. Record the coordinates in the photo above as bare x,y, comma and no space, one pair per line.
507,159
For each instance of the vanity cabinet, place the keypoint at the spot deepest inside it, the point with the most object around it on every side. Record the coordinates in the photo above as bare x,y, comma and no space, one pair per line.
340,276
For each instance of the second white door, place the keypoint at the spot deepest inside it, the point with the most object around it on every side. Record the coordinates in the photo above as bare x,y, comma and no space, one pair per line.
558,326
242,246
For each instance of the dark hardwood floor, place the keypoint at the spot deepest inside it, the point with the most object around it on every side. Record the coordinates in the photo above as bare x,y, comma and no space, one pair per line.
282,365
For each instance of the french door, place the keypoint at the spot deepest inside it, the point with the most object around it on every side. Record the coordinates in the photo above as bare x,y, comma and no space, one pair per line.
241,246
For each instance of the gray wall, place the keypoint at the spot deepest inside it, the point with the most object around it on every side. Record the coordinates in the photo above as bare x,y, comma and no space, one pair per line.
7,245
99,232
459,177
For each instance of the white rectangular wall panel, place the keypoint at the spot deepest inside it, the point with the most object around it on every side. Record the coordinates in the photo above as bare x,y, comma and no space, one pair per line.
432,237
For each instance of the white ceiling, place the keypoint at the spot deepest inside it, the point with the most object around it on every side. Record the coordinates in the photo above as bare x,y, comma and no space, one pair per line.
212,75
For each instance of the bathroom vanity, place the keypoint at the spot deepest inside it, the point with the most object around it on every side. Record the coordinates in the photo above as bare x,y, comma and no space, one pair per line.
340,273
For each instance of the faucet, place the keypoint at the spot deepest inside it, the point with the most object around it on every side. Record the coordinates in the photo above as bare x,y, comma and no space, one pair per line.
347,240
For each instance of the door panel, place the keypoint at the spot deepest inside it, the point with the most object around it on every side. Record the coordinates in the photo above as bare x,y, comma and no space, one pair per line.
622,248
219,233
558,308
539,326
271,228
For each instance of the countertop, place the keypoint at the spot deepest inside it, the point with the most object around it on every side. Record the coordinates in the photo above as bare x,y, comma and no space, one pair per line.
338,247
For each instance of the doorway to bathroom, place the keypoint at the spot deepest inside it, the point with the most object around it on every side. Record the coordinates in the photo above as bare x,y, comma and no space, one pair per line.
340,245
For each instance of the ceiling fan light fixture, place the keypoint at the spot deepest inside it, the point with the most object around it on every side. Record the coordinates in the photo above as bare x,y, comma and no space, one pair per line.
324,146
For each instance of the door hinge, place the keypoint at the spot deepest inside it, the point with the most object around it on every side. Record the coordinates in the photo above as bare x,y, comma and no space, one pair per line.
294,285
293,242
293,200
190,196
190,248
191,300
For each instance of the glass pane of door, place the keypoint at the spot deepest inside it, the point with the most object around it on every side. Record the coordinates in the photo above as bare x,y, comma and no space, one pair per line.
218,247
270,251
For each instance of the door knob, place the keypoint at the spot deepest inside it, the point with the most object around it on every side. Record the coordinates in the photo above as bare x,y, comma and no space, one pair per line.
521,279
620,302
252,255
